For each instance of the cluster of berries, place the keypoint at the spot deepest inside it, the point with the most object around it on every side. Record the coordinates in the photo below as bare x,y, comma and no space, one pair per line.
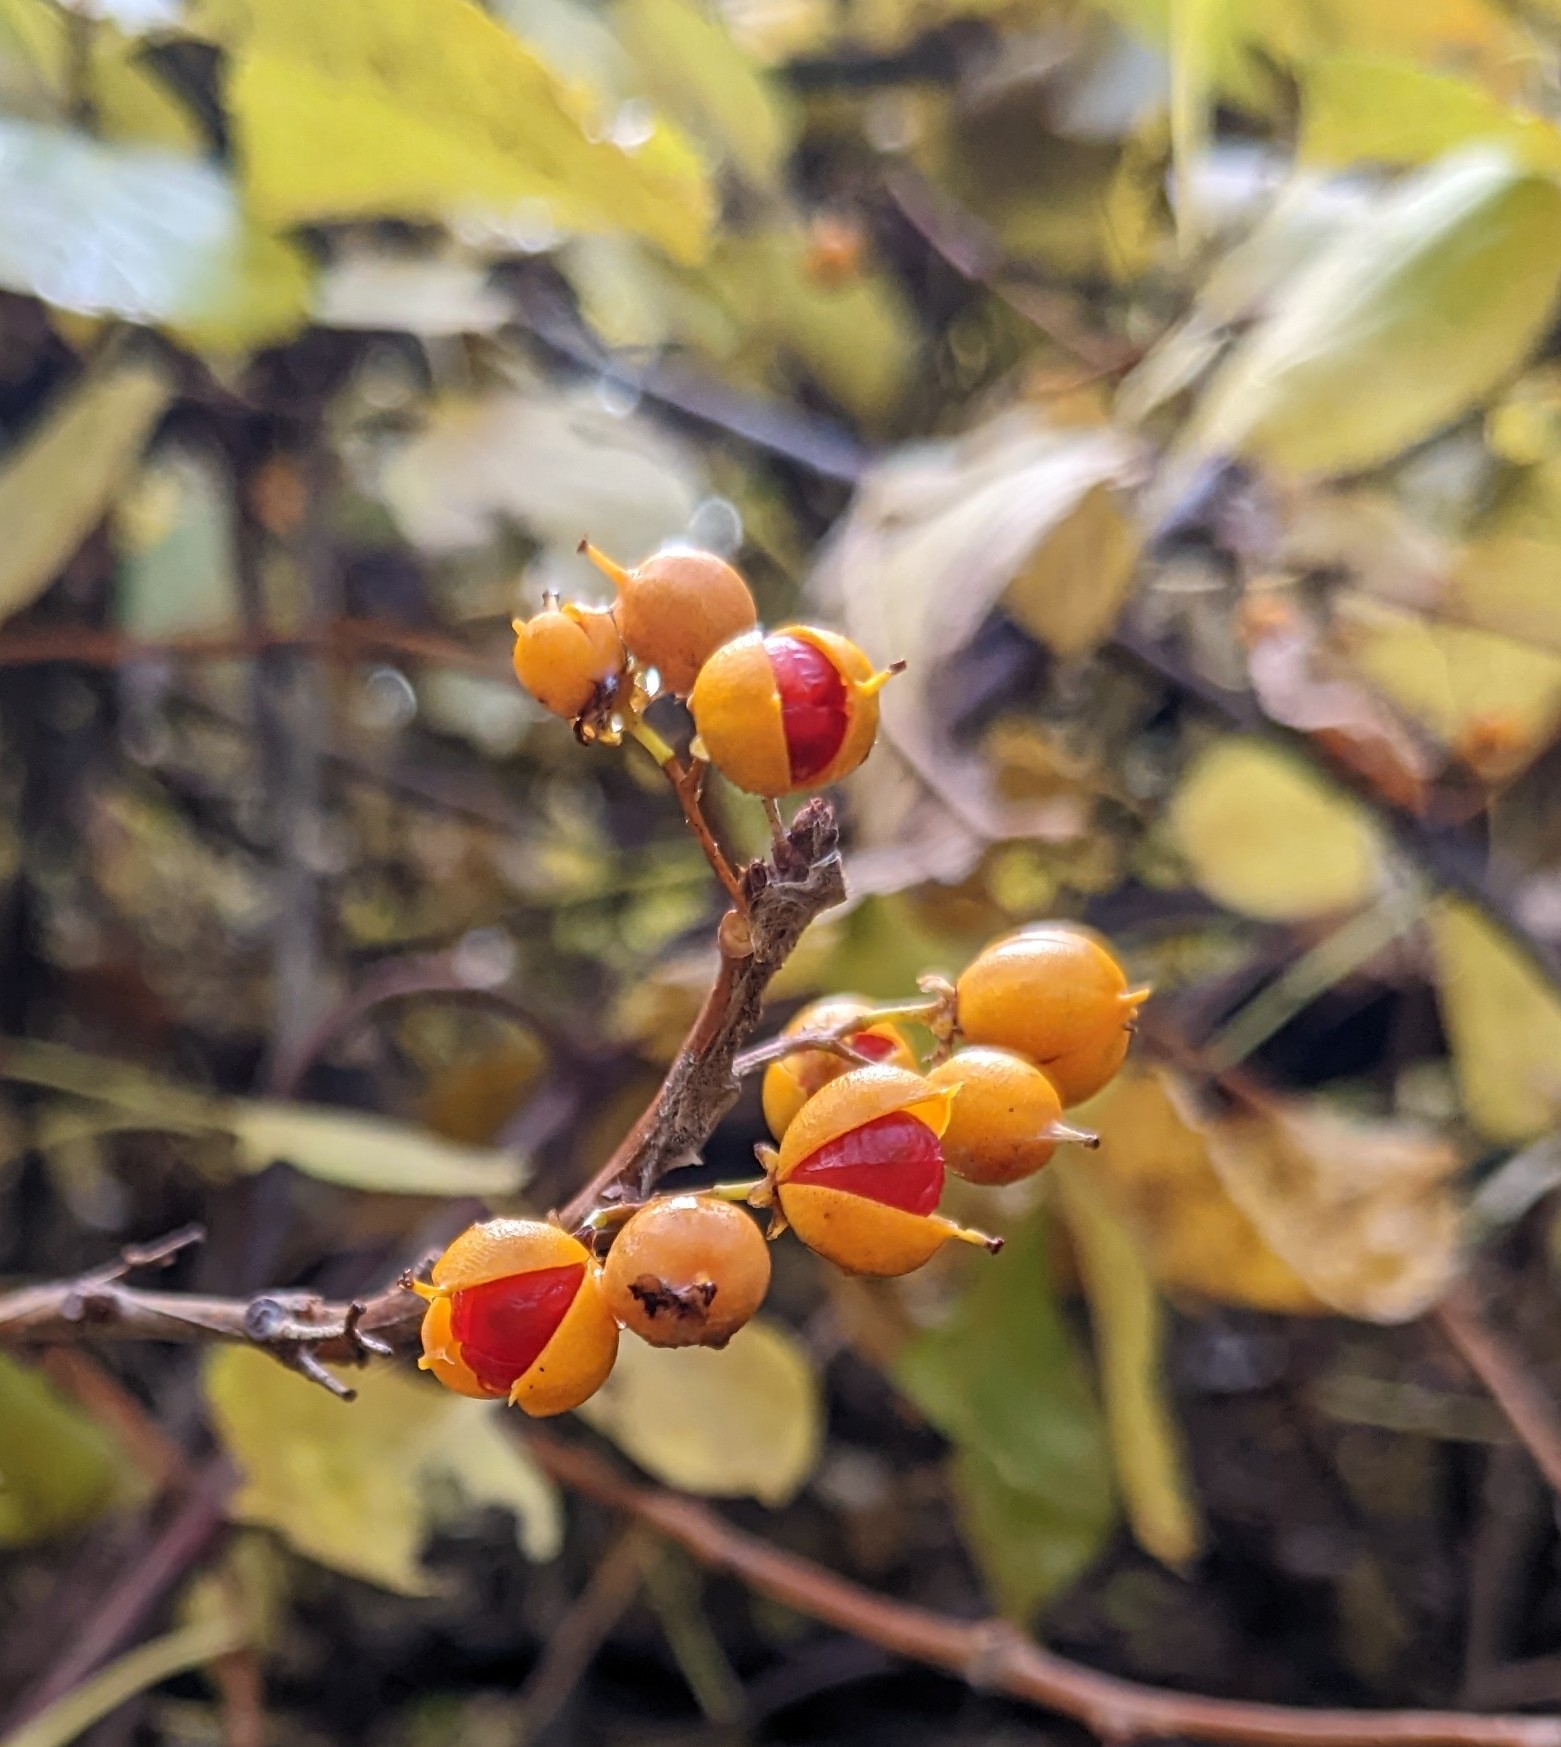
773,712
523,1310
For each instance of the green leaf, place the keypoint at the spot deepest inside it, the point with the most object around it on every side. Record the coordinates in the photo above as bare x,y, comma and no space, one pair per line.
742,1421
1129,1329
1409,318
57,1469
59,481
357,1485
1357,108
430,109
1002,1381
142,234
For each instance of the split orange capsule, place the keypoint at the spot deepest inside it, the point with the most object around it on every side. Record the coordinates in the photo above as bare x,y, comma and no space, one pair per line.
565,654
795,709
516,1312
1055,994
790,1082
1006,1122
677,608
860,1172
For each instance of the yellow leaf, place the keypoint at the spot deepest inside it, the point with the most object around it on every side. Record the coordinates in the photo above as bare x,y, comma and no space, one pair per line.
744,1421
688,63
361,1151
430,109
59,481
1469,246
1266,835
1453,678
57,1468
1154,1165
1357,108
1072,588
1503,1019
1129,1331
355,1485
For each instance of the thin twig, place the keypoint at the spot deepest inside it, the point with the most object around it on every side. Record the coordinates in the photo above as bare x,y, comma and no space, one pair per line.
574,1641
783,897
774,1049
346,640
994,1656
1505,1374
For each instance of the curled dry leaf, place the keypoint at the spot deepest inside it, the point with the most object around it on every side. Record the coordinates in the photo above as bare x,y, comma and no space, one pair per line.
1017,514
1281,1205
1298,684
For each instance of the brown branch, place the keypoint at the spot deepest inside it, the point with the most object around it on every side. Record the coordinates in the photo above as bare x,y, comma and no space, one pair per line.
306,1332
783,897
342,639
994,1656
1506,1375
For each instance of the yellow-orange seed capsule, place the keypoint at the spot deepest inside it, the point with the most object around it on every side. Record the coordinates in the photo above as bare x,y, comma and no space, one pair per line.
516,1312
563,655
1055,994
1006,1122
687,1271
790,1082
859,1173
677,608
795,709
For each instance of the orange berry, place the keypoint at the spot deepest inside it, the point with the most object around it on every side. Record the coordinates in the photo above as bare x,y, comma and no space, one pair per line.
790,1082
795,709
1055,994
676,609
1005,1123
860,1171
516,1312
835,247
687,1271
564,655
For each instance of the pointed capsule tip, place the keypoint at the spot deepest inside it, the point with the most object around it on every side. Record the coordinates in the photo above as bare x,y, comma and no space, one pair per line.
618,576
875,683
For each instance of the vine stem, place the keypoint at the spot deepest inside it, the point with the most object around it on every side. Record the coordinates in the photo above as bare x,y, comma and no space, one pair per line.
993,1656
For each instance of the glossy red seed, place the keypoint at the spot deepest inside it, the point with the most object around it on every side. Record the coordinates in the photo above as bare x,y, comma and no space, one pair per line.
870,1044
502,1325
893,1159
813,704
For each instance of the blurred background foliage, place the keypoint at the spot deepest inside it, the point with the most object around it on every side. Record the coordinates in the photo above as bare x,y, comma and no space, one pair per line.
1174,386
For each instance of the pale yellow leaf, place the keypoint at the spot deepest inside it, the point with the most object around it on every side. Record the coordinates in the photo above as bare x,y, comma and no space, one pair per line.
59,481
1129,1330
1356,108
58,1469
1503,1019
431,109
147,235
360,1151
1469,247
1265,834
1454,678
1073,586
686,61
357,1485
744,1421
